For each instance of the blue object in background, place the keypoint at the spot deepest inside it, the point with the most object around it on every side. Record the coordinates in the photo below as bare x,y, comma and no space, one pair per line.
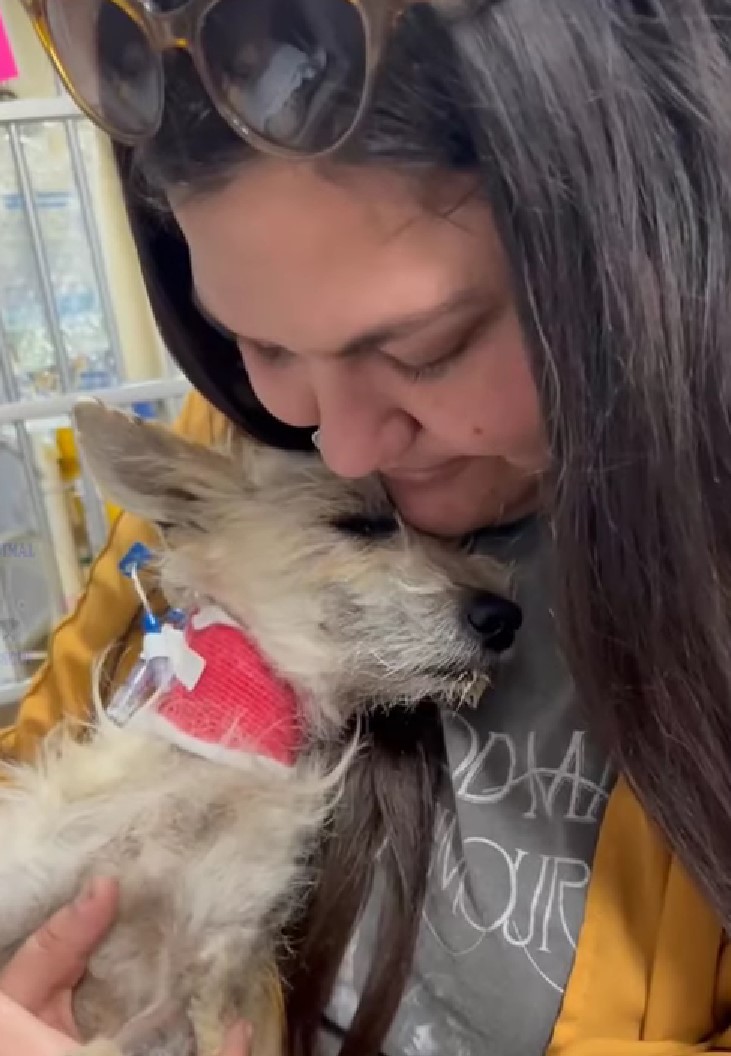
94,378
145,409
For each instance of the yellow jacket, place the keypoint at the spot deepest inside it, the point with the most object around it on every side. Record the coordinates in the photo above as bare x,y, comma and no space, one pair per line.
652,974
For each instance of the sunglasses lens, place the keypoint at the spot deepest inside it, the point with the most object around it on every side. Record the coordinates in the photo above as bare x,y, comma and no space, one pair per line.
107,58
294,71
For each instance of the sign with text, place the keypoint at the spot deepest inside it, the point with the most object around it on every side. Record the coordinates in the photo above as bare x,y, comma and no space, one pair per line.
8,65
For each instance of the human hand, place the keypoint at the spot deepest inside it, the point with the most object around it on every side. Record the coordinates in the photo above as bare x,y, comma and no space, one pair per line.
36,986
40,979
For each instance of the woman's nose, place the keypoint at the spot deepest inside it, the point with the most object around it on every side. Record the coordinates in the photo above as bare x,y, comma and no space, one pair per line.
357,446
359,431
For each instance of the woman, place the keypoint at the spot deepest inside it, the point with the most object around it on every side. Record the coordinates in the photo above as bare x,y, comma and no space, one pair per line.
497,276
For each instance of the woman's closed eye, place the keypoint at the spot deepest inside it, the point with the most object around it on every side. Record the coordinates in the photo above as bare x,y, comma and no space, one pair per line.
450,351
276,356
272,355
435,369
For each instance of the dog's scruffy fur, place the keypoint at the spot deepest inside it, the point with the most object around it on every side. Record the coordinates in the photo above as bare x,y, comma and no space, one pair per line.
352,608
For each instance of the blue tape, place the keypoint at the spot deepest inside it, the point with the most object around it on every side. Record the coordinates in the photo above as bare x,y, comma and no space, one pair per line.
137,556
150,623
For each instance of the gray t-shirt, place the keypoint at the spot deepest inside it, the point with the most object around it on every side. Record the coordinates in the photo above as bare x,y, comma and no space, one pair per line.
515,837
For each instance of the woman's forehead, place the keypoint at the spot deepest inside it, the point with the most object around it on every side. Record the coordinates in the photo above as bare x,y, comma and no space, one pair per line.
284,247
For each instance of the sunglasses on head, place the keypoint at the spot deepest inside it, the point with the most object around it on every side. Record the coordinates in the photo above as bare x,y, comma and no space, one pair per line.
292,77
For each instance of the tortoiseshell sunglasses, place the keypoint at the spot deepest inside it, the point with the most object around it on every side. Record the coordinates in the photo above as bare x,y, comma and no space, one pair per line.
292,77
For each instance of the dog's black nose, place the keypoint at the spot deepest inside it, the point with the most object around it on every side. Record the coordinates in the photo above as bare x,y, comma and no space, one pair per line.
495,619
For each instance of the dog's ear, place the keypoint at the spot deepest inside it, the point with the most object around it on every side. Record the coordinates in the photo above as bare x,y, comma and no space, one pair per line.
148,470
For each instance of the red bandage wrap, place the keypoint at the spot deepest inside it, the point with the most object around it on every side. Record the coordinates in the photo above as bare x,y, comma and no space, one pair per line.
236,705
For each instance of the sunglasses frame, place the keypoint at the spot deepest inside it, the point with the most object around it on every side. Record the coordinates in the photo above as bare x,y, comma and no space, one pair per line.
181,29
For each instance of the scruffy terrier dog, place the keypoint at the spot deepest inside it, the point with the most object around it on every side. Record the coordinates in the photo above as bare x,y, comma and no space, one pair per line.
347,606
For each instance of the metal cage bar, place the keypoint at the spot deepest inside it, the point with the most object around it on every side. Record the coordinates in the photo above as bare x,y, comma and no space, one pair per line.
120,395
25,447
27,111
39,252
91,230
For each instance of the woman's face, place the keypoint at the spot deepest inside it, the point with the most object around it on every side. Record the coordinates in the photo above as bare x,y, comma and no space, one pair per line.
380,312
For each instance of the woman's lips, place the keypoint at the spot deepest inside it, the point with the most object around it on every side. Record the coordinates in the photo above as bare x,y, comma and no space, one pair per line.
425,475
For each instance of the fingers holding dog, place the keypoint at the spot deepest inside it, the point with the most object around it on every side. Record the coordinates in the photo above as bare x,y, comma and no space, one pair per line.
42,974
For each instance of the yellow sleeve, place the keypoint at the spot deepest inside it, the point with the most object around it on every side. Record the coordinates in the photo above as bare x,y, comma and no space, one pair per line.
105,614
652,973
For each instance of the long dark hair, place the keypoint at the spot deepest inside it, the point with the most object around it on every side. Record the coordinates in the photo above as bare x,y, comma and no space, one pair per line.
600,135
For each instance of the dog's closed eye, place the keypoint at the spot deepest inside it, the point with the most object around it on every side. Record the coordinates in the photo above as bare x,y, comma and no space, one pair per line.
360,526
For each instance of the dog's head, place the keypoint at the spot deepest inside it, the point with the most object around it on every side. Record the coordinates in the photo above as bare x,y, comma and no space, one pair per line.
346,602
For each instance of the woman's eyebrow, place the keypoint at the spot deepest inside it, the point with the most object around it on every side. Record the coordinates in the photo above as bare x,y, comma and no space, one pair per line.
408,325
393,330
